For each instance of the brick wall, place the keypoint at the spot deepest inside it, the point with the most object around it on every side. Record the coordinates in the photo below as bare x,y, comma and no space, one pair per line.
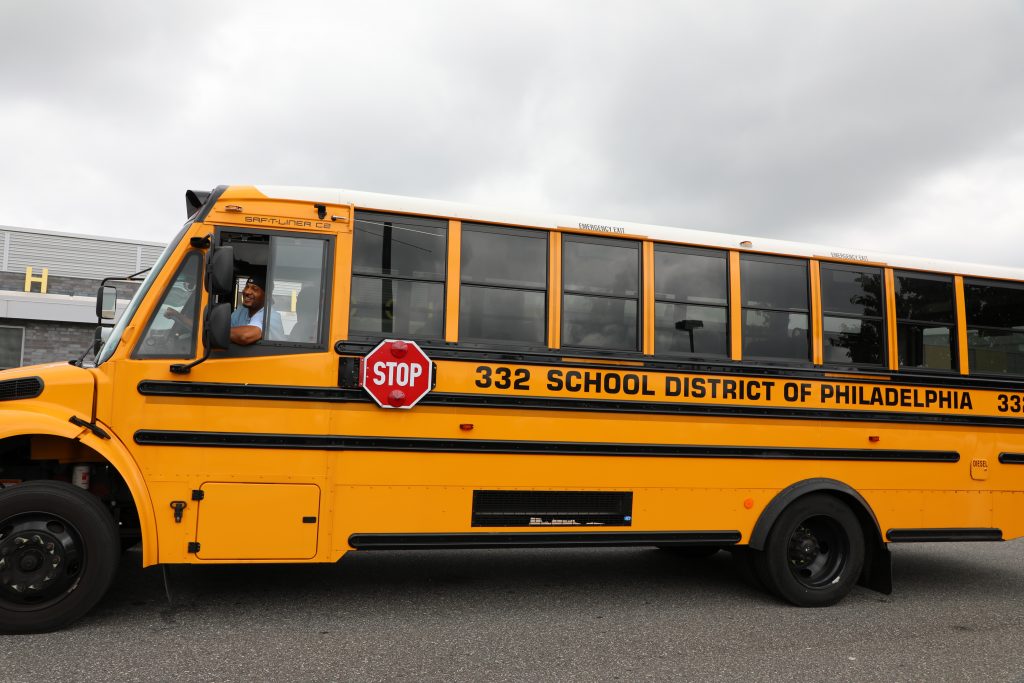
49,341
46,342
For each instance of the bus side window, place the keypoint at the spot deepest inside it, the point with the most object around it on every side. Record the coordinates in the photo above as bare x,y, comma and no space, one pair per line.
691,297
775,308
995,327
398,273
503,297
926,321
295,289
600,293
852,314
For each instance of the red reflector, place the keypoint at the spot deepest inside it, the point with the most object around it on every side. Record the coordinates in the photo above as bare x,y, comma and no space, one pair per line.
466,426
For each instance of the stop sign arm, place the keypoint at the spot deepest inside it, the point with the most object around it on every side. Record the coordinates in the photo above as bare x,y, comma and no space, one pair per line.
396,374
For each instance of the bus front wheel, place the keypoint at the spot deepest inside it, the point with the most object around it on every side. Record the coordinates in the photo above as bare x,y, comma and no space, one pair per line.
814,552
59,551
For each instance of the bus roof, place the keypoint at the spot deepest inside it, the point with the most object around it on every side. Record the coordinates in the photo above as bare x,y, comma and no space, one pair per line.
467,212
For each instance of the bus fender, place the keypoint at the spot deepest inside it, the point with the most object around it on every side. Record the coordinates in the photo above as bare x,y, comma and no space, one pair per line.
877,572
108,447
111,449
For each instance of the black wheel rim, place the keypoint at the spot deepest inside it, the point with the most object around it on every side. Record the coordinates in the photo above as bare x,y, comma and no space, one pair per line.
42,558
818,551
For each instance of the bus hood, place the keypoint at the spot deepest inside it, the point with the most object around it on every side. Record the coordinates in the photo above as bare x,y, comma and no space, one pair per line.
61,390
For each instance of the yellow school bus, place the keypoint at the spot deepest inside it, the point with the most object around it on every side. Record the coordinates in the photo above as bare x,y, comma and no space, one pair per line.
306,372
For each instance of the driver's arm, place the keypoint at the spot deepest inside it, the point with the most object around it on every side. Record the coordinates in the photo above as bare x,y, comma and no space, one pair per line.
177,316
246,334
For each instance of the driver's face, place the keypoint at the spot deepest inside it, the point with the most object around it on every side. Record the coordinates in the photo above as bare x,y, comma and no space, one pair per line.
253,296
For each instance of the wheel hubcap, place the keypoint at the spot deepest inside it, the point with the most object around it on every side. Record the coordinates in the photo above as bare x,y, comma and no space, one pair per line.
40,558
817,553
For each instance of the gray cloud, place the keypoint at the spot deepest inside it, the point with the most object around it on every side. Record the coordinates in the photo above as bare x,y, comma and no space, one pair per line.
797,120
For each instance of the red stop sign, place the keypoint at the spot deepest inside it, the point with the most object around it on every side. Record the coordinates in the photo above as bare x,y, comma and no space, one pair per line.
397,374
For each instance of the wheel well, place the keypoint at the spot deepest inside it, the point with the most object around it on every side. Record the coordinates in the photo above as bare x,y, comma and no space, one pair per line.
877,572
42,457
788,495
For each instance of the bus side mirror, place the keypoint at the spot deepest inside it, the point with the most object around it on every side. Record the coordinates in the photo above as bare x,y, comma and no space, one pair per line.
218,327
221,271
106,303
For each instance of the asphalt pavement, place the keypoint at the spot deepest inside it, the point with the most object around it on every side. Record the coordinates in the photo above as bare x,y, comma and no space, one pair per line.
538,615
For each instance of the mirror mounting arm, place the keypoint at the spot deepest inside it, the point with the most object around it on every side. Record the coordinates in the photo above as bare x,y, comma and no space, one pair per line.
185,368
201,242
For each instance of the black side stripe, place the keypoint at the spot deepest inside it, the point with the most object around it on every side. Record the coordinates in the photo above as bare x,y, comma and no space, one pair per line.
336,395
379,443
527,539
1011,458
278,392
943,535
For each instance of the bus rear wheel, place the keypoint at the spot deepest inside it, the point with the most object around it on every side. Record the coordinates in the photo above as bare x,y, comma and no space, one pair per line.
814,552
59,551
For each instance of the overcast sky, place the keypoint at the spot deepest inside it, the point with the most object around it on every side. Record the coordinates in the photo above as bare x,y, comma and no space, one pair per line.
894,126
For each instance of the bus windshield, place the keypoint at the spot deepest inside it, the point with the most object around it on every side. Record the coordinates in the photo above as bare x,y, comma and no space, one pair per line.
115,335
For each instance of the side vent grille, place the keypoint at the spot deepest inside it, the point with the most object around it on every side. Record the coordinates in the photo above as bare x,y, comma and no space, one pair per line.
25,387
552,508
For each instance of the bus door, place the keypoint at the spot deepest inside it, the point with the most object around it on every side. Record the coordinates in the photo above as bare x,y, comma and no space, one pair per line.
233,450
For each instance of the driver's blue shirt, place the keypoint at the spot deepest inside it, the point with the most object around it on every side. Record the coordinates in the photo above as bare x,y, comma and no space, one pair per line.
241,317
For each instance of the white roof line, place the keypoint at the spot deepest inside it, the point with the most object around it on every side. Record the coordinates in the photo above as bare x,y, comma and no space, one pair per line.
399,204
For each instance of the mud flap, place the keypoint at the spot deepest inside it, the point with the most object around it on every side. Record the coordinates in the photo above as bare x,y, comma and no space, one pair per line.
877,572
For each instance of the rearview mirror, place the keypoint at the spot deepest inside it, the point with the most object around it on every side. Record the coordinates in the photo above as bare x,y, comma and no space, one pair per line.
106,303
218,327
221,270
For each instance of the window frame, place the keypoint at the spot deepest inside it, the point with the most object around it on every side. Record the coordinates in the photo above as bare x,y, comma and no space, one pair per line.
358,336
545,236
883,363
568,237
671,247
954,326
281,348
777,360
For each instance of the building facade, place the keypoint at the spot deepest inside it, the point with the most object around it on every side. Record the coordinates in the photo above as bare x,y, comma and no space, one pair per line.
48,283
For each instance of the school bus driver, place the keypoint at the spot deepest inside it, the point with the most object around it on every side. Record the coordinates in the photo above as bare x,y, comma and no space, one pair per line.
437,375
247,319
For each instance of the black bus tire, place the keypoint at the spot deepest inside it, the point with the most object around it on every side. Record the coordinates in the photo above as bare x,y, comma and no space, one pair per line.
814,552
59,550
